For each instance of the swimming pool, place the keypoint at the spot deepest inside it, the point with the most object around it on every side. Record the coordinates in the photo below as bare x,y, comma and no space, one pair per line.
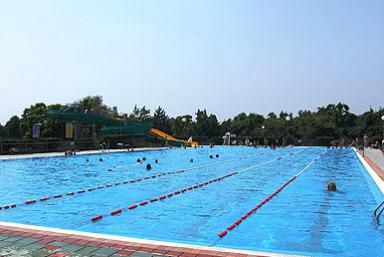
303,218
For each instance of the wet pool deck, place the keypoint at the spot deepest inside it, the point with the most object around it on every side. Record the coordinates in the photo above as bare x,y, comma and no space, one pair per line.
22,241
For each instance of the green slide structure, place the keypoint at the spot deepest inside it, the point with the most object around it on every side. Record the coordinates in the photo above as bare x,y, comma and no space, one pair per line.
112,124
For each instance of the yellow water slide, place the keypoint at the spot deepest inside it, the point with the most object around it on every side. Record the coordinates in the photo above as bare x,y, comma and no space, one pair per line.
166,136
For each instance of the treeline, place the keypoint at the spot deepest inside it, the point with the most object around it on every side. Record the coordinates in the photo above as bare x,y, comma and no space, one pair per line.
325,124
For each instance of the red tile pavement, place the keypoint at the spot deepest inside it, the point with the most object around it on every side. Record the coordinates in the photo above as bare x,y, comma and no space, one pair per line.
373,165
60,254
51,247
125,248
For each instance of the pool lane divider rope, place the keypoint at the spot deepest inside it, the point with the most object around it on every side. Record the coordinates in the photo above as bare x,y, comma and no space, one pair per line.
163,197
194,187
82,191
266,200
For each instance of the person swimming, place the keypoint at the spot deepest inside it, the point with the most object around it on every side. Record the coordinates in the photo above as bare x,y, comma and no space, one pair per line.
156,161
331,186
148,167
217,156
101,160
191,160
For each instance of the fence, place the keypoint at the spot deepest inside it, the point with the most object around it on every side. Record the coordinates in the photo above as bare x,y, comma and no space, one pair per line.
43,146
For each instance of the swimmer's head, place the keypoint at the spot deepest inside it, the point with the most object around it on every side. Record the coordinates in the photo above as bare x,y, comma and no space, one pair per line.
331,186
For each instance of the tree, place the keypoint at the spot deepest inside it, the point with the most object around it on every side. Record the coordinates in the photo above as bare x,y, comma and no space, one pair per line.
3,132
206,125
160,120
140,114
182,126
12,127
91,103
34,114
38,113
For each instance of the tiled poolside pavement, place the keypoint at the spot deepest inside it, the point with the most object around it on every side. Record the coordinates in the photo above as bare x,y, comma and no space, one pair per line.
373,162
23,242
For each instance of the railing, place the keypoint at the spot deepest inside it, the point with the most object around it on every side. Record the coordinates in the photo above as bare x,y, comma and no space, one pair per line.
42,146
378,211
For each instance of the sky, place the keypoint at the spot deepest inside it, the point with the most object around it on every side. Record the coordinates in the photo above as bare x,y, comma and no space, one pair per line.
225,56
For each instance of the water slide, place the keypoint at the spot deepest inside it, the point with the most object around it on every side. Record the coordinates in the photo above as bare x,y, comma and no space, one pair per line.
161,134
117,125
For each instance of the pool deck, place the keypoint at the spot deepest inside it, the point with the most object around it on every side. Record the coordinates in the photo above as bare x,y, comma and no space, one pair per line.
375,159
18,240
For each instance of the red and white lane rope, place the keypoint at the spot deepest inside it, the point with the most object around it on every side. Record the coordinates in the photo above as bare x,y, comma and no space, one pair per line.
82,191
251,211
163,197
178,192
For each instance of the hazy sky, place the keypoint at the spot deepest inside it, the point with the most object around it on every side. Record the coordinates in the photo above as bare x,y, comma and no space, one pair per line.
225,56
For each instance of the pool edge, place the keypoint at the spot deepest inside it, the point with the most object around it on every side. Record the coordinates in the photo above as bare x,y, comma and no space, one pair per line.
371,169
153,245
87,152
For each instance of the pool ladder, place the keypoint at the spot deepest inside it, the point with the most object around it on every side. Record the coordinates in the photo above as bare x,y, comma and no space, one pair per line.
378,211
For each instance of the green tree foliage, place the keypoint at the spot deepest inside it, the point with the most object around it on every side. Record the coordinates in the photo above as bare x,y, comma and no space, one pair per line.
160,120
206,125
3,132
38,113
91,103
140,114
370,123
247,125
182,126
12,127
327,123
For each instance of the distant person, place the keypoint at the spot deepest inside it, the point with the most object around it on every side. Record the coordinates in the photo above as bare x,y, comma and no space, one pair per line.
331,186
144,159
148,167
101,160
156,161
191,160
217,156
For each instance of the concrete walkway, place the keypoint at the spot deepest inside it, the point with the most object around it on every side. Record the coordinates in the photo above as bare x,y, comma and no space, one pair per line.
376,156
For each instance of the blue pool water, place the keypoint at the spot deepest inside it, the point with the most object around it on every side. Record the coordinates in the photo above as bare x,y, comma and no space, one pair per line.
303,218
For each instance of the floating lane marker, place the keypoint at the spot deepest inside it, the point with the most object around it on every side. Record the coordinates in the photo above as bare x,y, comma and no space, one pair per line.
82,191
254,209
163,197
